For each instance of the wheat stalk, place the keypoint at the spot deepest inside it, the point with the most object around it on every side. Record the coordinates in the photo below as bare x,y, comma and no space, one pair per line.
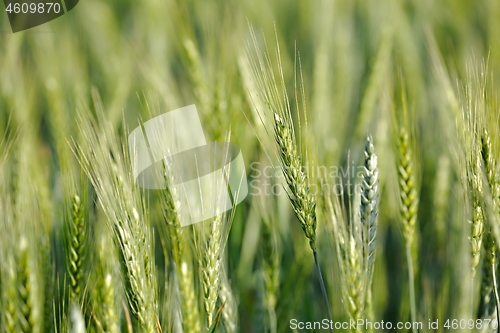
279,119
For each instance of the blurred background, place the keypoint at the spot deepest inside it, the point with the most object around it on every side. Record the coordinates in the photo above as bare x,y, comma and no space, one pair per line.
174,53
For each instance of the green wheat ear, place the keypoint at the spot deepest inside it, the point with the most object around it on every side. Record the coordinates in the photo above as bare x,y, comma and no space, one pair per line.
478,217
210,266
303,202
487,303
369,214
408,195
352,252
171,205
77,240
477,232
369,200
407,184
278,119
107,165
29,302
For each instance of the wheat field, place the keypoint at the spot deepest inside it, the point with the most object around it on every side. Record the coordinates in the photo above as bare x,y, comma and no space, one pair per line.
370,136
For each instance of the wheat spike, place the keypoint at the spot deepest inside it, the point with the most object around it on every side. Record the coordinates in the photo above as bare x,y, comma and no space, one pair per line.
303,202
171,208
369,201
210,268
77,247
407,185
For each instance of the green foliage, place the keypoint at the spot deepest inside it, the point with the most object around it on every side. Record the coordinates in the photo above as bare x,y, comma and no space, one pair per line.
405,225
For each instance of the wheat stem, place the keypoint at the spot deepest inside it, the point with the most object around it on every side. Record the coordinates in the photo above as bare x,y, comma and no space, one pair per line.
411,281
322,285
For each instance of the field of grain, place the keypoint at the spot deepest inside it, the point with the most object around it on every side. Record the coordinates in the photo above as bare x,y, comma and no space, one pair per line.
370,134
